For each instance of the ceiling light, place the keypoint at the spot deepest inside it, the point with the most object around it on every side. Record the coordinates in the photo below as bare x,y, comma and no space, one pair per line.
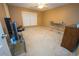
40,6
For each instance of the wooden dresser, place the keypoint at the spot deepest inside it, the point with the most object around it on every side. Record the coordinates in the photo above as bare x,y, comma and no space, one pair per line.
71,38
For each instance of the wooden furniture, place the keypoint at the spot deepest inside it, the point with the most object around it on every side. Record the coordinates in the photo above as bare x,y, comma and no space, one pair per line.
70,38
20,28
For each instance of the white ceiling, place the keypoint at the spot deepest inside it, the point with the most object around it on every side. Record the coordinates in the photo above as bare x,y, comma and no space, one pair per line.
34,5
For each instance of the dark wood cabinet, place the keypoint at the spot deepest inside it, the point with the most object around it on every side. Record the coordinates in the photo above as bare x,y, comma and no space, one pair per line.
70,38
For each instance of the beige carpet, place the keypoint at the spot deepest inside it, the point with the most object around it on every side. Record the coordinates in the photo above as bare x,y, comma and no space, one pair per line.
44,41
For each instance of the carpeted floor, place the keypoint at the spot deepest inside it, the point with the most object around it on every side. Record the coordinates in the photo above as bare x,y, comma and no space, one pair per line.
44,41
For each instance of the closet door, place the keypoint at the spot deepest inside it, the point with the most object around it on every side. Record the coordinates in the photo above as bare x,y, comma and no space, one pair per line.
33,20
26,19
29,18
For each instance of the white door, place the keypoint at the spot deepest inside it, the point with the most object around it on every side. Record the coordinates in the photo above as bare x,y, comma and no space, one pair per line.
29,18
33,20
26,19
4,49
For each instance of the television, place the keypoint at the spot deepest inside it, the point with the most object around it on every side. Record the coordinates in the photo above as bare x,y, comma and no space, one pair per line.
15,31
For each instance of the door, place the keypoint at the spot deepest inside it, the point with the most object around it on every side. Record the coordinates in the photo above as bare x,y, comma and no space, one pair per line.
29,18
4,49
33,20
26,19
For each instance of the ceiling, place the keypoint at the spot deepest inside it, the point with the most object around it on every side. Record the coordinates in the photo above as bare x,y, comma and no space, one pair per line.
34,5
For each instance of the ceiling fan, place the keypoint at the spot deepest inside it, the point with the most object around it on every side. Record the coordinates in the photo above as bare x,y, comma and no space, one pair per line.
41,5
